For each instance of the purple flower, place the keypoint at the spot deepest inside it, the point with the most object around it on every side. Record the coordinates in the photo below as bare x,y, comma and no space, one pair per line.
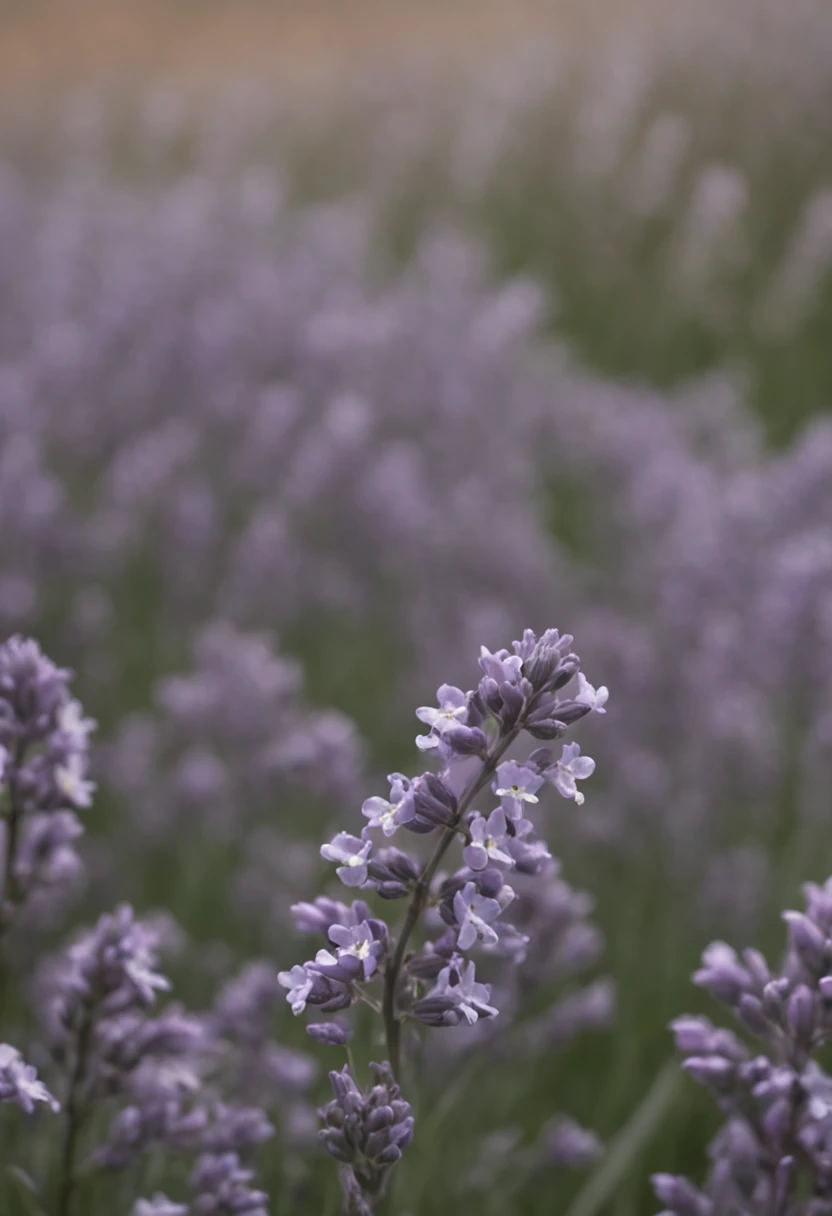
452,712
19,1082
358,942
474,914
458,986
390,814
516,783
299,981
353,854
333,1034
489,841
571,768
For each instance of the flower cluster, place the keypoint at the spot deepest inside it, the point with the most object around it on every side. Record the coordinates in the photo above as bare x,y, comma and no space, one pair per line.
44,740
435,983
773,1152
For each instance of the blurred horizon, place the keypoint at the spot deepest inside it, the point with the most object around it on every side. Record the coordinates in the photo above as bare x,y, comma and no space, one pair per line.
57,44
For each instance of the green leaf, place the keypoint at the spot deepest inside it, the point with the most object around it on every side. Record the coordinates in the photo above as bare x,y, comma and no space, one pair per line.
626,1147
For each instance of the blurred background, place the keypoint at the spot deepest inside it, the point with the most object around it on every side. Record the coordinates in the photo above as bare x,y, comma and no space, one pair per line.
339,338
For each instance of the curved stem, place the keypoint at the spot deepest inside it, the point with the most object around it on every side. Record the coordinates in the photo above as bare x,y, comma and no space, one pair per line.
392,1023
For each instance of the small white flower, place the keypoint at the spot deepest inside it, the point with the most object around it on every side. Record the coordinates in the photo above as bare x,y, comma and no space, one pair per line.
72,783
71,722
595,698
299,982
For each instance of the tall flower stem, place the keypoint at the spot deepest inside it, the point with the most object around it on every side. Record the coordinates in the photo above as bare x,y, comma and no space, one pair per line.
392,1023
73,1115
15,814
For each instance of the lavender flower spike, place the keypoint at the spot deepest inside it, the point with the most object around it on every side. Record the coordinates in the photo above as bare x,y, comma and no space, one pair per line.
19,1082
470,735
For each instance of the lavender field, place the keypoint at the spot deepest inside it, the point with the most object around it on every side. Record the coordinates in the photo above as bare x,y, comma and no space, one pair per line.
337,420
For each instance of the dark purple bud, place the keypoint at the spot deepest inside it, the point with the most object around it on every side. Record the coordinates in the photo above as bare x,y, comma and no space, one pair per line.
334,1034
546,728
751,1013
568,667
713,1071
825,988
392,890
490,882
512,704
800,1013
569,712
540,759
777,1122
679,1196
807,940
466,741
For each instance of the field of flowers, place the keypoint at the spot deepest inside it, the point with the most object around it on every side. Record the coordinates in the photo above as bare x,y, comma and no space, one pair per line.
321,412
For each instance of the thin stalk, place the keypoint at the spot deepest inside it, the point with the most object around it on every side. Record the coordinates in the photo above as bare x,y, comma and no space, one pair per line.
74,1117
392,1023
13,819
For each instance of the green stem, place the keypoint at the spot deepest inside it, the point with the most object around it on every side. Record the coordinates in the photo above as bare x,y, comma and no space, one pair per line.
421,892
73,1119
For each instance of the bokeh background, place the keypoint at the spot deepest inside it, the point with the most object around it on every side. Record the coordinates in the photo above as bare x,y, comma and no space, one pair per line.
336,339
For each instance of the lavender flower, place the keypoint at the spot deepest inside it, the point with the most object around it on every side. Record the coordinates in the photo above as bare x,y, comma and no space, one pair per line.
44,739
772,1152
474,914
19,1082
489,840
367,1130
353,854
565,773
470,733
457,995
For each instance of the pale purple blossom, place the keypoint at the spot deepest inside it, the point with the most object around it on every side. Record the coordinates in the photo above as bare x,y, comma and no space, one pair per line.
489,841
474,914
595,698
353,855
299,982
571,768
390,814
19,1082
359,942
516,783
458,984
452,713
